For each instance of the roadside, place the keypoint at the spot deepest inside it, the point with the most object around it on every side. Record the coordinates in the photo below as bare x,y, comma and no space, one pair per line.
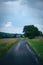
20,54
37,46
7,43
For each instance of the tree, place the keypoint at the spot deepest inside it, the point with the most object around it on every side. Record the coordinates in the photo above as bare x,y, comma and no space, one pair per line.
41,34
30,31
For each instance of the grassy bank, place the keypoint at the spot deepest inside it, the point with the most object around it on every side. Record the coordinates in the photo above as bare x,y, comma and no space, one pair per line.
5,44
37,45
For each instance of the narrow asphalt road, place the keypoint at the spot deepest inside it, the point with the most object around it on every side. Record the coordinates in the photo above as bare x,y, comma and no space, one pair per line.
20,54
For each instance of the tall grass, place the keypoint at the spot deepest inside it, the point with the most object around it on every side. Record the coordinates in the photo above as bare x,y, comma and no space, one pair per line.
37,45
5,44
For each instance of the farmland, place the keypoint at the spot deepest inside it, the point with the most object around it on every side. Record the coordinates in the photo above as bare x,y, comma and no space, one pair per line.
37,45
6,43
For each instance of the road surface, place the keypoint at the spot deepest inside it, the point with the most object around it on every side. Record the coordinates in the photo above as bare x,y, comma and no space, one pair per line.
20,54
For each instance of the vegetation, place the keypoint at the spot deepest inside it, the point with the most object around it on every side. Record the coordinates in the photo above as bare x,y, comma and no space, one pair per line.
9,35
5,44
37,45
31,31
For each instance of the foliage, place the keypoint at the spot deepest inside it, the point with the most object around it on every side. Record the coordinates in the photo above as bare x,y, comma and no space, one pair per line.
31,31
9,35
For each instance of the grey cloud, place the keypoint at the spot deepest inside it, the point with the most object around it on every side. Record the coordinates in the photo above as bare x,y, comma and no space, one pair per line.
7,0
33,1
38,4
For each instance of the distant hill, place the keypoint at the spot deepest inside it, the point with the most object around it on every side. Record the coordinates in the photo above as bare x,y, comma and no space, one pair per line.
9,35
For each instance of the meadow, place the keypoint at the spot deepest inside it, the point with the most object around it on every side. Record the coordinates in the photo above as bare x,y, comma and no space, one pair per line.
6,43
37,45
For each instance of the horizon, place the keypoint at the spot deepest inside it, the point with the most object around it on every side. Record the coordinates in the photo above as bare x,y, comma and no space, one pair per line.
14,15
10,33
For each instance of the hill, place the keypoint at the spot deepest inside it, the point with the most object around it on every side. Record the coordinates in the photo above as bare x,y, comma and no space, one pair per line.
9,35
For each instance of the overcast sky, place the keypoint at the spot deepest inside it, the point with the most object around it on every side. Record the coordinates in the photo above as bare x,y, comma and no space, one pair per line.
15,14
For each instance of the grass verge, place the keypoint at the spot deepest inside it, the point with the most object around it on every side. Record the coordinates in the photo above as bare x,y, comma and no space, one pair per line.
5,44
37,45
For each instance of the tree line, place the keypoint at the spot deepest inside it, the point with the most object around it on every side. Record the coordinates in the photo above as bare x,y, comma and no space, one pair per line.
8,35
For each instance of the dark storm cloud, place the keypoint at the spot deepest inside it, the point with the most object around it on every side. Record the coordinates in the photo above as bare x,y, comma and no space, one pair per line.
38,4
32,1
7,0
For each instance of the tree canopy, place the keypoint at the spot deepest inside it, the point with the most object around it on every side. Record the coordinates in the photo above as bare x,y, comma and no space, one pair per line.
31,31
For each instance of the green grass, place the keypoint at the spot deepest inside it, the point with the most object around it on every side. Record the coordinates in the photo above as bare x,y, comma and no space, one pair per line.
37,45
5,44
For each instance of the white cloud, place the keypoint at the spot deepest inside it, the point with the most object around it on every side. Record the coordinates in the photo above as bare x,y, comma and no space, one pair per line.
40,27
8,24
12,29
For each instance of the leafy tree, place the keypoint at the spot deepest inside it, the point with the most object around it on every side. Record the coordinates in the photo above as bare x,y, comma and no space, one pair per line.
31,31
41,34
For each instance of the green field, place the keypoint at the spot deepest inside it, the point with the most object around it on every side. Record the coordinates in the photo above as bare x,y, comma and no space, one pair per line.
5,44
37,45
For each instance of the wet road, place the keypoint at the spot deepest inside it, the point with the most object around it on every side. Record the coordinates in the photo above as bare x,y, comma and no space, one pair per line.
20,54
